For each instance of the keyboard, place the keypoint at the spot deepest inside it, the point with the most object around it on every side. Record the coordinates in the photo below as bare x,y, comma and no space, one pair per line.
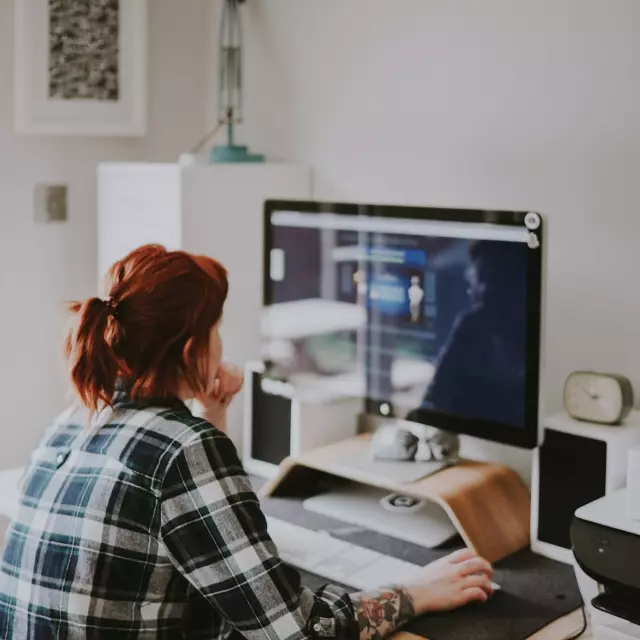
339,561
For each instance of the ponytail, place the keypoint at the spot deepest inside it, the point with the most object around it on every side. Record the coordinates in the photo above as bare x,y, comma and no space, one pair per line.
94,365
152,332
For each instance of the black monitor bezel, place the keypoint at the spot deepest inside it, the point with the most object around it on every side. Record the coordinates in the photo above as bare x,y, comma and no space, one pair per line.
524,437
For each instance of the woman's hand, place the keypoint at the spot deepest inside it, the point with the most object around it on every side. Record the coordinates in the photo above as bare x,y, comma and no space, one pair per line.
230,379
446,584
228,383
451,582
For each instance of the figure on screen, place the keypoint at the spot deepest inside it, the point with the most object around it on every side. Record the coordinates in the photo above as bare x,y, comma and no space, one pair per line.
480,371
416,295
360,280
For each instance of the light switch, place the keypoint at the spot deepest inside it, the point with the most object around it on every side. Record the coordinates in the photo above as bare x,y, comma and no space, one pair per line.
51,202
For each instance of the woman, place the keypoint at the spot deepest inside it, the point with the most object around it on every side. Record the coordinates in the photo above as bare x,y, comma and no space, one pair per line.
137,519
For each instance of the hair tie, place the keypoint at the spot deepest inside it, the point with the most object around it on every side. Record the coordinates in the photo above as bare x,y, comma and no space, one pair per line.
111,304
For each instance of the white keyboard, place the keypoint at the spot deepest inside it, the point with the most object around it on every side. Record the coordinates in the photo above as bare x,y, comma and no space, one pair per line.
339,561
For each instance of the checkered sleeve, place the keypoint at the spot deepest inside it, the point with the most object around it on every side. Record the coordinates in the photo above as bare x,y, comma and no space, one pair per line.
216,533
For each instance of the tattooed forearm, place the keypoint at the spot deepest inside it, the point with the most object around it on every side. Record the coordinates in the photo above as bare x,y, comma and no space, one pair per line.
380,613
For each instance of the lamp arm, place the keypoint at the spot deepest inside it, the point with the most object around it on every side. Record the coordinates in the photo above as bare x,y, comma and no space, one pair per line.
230,64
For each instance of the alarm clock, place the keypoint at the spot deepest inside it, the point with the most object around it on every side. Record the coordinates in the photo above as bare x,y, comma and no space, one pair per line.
603,398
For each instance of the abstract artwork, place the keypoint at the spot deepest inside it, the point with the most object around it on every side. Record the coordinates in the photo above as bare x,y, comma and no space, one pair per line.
83,49
81,67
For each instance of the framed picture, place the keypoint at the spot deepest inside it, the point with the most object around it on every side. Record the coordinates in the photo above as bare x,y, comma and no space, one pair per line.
81,67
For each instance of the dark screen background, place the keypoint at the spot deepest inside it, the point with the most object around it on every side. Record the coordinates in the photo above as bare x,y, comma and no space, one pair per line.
452,303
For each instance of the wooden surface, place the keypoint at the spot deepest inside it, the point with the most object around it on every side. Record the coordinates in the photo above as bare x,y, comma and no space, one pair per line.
488,503
558,630
564,628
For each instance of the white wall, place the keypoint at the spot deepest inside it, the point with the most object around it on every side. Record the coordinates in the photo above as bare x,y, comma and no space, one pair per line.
532,104
41,266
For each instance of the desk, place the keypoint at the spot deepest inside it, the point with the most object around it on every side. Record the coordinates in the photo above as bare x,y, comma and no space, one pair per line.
536,591
454,626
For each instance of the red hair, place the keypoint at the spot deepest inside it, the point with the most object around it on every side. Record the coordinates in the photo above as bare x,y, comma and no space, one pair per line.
153,329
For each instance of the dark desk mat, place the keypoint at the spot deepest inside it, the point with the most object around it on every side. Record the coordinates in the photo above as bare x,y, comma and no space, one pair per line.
535,591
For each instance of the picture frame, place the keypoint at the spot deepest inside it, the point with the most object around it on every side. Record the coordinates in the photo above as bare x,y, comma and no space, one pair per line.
81,67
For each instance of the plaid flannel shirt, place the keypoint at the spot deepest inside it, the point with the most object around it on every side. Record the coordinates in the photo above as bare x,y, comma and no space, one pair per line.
146,526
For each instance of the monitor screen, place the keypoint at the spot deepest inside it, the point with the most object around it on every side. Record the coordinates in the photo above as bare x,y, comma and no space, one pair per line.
431,315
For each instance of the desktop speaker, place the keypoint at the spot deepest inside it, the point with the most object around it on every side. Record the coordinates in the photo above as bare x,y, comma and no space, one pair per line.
577,463
633,484
280,421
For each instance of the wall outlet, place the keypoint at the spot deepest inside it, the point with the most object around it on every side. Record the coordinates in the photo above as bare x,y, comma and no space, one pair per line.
51,202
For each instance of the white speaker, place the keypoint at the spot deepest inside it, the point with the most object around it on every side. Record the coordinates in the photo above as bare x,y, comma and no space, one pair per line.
577,463
281,421
633,484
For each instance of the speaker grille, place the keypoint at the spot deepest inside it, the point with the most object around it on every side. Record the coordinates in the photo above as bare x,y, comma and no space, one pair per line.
572,473
271,424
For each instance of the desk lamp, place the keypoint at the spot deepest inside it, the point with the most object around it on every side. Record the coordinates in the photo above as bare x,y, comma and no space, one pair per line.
230,86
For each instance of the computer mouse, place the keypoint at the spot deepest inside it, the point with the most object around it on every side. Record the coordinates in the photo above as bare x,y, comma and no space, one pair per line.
391,442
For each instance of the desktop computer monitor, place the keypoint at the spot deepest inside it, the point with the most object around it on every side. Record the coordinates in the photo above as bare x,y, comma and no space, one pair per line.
430,315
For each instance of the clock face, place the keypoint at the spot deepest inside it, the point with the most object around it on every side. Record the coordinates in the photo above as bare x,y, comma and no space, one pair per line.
593,397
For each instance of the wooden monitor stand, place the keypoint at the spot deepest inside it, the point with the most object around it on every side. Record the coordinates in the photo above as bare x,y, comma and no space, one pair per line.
488,503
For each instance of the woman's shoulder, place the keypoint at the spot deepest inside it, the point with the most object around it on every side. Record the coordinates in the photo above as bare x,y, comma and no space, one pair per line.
196,432
182,426
65,427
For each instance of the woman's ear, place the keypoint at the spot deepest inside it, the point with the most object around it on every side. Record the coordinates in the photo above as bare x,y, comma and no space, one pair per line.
195,377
